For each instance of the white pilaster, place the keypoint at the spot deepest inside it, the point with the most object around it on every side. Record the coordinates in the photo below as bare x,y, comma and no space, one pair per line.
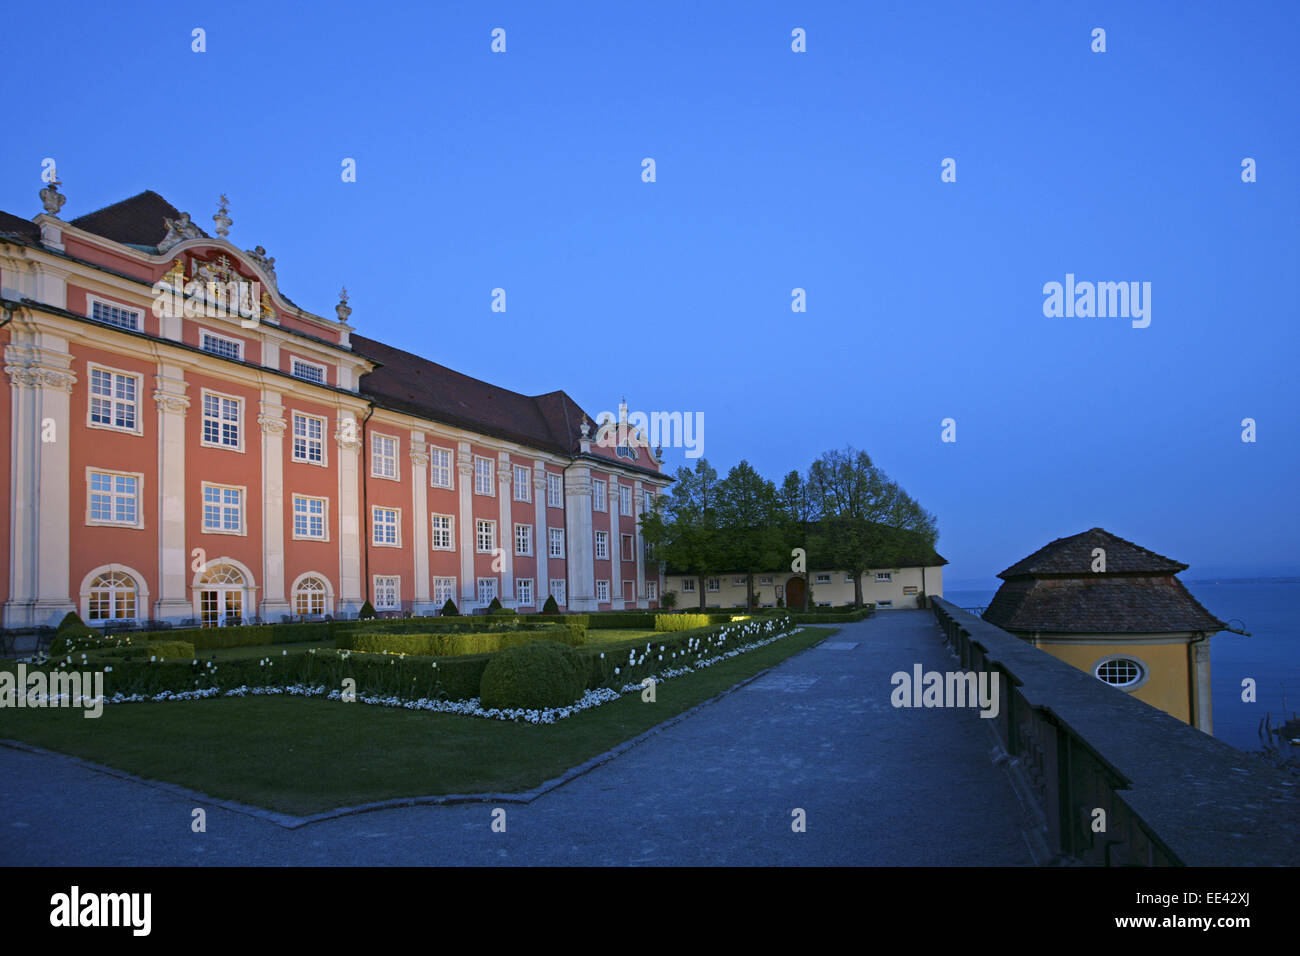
420,522
506,528
465,520
352,524
541,548
578,547
616,602
272,421
173,602
638,500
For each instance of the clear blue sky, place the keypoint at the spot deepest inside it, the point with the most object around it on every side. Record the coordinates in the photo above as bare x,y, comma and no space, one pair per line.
775,170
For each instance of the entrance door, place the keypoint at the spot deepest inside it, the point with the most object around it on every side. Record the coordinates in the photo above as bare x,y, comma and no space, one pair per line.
794,591
629,592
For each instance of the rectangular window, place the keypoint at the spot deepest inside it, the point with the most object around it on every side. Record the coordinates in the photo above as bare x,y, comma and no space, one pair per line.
222,417
602,590
442,533
737,582
483,469
848,577
602,545
764,580
559,591
439,467
113,400
648,501
487,590
383,456
308,371
523,539
556,536
385,526
626,541
599,496
888,603
308,439
388,587
823,579
524,591
309,518
713,584
884,577
444,590
688,585
485,535
554,491
223,509
114,499
523,483
118,315
220,345
624,500
652,590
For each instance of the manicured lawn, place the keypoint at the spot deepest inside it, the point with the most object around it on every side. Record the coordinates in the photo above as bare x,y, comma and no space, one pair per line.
303,756
615,635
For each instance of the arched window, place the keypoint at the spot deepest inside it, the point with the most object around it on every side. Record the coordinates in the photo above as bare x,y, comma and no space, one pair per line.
221,595
112,597
309,596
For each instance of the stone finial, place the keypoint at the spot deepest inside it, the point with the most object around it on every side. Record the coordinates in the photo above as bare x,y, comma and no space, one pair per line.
585,427
343,309
52,199
659,452
223,221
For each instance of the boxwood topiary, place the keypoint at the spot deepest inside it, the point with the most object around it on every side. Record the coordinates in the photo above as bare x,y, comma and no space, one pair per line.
449,609
550,607
367,611
533,676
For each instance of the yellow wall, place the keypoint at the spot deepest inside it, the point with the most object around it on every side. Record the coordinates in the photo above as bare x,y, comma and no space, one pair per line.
1167,681
839,590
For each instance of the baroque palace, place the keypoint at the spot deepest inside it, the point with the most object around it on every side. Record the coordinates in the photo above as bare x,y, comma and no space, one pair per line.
184,441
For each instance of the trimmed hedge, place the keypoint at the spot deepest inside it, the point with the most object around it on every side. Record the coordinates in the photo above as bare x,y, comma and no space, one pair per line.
685,622
534,676
450,645
162,649
641,620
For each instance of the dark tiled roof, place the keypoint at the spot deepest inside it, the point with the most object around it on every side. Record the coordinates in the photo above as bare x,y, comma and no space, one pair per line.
1114,604
16,226
1073,556
137,221
409,383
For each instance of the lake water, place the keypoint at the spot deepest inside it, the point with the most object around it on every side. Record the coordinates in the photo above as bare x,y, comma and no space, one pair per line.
1271,655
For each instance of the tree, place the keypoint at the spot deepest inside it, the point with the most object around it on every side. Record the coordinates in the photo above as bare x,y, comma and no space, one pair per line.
682,530
749,526
863,518
795,514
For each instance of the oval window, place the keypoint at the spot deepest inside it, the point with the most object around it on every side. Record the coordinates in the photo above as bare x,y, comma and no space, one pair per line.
1119,672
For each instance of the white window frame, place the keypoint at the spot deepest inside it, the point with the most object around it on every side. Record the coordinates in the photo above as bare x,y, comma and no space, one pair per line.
243,508
376,438
480,592
764,581
848,577
884,577
885,604
205,334
652,590
308,441
625,500
627,547
484,477
602,546
558,588
324,517
482,525
523,483
524,592
396,524
737,582
393,581
523,536
450,531
93,300
602,590
295,361
113,496
599,495
688,585
712,585
221,397
444,589
822,579
436,451
554,549
113,401
554,490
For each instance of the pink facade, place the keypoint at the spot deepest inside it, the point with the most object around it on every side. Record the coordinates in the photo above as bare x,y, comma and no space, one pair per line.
210,463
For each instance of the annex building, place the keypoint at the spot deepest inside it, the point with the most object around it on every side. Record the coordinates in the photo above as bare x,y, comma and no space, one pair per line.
183,440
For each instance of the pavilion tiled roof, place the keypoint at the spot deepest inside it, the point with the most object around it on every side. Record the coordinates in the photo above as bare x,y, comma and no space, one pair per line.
1055,590
18,227
137,221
